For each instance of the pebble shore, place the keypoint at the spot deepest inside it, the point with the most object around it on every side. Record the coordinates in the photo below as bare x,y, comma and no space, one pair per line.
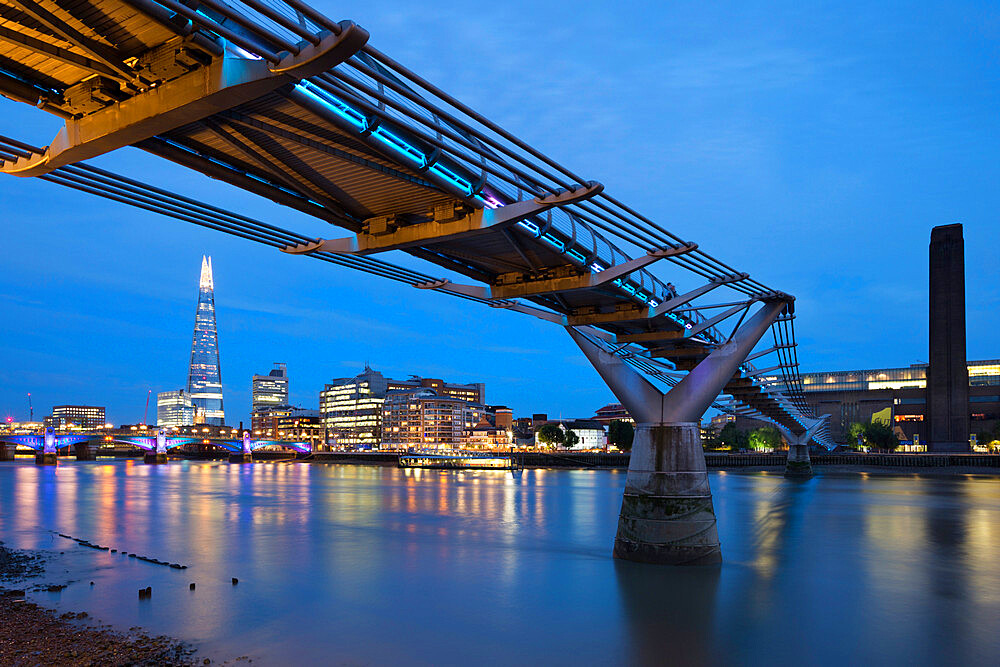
34,635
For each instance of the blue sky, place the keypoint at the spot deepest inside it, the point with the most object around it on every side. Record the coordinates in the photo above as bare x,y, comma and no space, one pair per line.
811,144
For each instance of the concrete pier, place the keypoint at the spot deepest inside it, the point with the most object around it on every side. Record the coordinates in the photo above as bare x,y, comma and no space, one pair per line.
241,457
667,515
798,464
43,458
85,451
154,458
7,451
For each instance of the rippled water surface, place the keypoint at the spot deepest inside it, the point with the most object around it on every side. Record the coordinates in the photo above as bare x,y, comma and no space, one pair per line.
354,564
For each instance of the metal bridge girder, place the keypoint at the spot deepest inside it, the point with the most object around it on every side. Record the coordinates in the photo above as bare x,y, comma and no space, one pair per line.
637,312
448,223
528,287
226,82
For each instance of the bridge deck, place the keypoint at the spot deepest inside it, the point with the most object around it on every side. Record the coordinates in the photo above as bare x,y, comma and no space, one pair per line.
275,98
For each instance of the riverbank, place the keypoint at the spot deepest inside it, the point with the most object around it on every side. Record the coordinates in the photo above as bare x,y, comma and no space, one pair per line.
846,463
34,635
937,464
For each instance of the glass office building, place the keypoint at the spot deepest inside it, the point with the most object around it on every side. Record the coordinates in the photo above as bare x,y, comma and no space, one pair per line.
204,374
271,390
351,409
76,416
174,409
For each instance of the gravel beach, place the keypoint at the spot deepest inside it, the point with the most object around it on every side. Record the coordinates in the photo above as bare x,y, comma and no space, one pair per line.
34,635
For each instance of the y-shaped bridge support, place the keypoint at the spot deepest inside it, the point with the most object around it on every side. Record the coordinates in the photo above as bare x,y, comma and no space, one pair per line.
798,464
667,514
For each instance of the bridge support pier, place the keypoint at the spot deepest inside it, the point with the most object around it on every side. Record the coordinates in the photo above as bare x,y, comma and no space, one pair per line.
43,458
667,515
158,455
85,451
798,464
7,451
46,456
245,455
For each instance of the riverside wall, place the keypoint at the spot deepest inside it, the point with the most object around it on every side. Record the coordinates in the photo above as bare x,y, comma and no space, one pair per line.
712,460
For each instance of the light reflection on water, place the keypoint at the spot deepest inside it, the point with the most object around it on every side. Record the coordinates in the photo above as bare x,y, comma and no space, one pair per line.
381,565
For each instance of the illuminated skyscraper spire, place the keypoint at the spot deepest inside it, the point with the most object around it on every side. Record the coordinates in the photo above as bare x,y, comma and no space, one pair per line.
205,374
206,282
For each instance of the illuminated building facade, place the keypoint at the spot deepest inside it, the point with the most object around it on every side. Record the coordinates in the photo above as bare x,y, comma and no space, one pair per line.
264,418
351,409
174,409
473,393
485,435
289,423
204,373
590,432
76,416
423,419
267,391
854,396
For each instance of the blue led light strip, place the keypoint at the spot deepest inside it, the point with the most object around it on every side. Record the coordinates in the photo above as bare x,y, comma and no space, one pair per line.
400,145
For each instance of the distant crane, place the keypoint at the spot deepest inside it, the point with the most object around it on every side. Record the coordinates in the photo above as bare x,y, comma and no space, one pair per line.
31,410
145,412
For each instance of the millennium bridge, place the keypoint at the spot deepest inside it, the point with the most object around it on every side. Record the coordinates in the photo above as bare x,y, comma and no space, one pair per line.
273,97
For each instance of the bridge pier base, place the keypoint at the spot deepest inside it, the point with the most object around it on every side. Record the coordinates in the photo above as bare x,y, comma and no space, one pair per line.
798,464
7,451
241,457
45,458
667,515
155,458
85,451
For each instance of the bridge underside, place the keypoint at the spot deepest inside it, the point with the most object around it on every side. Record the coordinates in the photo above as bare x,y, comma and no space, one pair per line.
274,98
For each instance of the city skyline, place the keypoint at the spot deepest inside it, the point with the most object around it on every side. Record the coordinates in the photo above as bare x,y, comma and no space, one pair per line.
859,272
647,338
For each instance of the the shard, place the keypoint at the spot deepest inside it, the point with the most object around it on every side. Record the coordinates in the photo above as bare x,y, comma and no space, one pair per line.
205,374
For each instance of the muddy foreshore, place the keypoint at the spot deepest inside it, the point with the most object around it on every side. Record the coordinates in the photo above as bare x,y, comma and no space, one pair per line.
34,635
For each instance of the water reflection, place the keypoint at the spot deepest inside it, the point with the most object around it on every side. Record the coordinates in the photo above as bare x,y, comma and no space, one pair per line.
669,613
381,565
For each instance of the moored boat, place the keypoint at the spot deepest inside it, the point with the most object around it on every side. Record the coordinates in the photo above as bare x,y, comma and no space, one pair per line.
458,460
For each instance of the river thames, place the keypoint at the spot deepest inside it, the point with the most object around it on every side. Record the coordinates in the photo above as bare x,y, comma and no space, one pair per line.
351,564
